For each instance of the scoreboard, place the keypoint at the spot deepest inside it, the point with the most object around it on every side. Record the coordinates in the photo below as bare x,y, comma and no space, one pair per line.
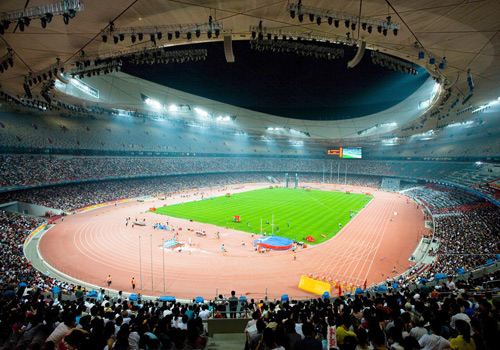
355,153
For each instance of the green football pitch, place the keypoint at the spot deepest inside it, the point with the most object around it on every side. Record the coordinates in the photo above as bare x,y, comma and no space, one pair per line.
296,213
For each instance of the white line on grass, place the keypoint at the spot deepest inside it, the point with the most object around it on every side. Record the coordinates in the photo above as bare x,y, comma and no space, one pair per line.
336,212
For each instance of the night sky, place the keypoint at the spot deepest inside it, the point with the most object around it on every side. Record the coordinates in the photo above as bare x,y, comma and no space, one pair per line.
286,84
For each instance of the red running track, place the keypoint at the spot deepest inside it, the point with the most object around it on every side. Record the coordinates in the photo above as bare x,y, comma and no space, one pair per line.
93,244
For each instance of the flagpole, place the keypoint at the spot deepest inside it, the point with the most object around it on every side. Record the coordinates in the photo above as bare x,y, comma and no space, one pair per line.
272,226
140,260
163,257
345,174
151,243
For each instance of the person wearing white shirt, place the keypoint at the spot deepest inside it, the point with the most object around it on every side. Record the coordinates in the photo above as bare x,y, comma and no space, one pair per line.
204,313
418,331
434,341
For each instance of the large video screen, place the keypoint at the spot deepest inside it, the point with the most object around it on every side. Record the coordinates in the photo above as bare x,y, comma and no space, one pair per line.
352,153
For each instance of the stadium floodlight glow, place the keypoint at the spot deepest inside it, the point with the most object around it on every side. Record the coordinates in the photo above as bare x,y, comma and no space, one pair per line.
153,103
486,106
179,108
123,113
80,85
203,113
469,122
388,125
427,133
226,118
194,124
275,128
424,104
391,140
366,131
435,90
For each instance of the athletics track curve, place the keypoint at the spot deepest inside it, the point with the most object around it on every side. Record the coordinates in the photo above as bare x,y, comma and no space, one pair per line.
91,245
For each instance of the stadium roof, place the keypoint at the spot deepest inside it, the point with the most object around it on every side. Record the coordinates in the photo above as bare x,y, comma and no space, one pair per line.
457,40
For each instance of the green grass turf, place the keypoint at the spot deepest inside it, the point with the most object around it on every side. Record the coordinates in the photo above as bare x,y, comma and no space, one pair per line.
310,213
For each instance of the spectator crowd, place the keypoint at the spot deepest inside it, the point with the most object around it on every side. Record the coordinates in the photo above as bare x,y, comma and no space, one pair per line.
450,317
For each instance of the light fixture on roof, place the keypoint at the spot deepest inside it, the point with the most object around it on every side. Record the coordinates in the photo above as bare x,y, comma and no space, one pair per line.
469,80
260,31
171,29
394,63
300,48
45,13
336,17
7,60
46,19
442,64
